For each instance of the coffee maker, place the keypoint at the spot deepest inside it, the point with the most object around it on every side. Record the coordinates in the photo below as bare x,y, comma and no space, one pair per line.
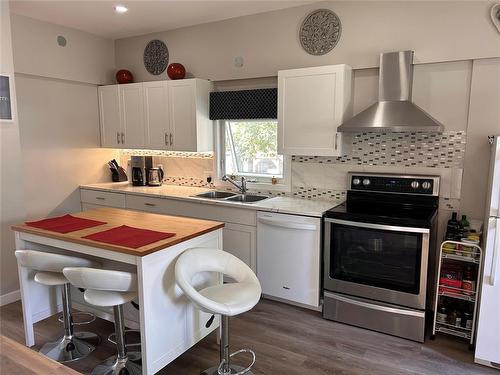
140,166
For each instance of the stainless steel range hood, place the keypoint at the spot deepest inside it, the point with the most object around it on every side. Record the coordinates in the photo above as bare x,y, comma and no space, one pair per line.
394,112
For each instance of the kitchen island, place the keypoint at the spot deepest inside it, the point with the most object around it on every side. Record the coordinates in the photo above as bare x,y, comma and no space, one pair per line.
169,323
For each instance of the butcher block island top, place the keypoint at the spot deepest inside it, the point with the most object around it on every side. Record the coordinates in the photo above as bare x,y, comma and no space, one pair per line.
184,229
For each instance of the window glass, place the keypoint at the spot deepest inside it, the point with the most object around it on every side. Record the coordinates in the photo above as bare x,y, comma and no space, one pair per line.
251,149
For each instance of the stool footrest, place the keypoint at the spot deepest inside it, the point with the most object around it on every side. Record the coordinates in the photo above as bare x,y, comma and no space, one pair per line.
92,318
242,372
112,338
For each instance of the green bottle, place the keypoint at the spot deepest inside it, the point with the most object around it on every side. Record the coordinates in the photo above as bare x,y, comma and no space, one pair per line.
464,226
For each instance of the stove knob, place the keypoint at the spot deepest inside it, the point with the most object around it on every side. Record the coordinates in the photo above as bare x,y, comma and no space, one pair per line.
415,184
356,181
366,182
426,185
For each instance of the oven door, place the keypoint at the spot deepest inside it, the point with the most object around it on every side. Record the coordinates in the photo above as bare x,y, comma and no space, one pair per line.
380,262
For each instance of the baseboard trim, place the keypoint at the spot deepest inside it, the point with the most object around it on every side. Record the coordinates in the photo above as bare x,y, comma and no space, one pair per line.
7,298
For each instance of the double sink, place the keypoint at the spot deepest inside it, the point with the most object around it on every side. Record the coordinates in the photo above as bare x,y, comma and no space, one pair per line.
231,197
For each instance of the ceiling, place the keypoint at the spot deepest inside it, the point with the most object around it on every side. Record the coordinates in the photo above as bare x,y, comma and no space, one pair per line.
143,16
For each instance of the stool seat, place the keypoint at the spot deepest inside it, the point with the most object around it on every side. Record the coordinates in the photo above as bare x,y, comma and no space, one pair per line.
227,299
49,266
231,299
108,298
50,278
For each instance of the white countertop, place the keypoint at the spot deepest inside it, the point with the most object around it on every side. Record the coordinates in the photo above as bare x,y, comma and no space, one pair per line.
285,205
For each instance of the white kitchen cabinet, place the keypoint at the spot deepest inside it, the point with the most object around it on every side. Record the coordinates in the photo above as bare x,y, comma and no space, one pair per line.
191,128
110,116
240,240
156,112
162,115
132,108
312,103
288,257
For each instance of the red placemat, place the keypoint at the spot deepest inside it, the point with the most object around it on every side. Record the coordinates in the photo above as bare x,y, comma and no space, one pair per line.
129,237
64,224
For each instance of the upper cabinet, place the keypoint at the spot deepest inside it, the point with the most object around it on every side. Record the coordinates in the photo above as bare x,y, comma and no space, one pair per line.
160,115
312,103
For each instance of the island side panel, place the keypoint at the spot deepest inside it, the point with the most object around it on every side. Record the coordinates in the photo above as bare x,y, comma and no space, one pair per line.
38,301
170,325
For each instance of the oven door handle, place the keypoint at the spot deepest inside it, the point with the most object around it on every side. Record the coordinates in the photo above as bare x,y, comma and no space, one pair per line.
393,228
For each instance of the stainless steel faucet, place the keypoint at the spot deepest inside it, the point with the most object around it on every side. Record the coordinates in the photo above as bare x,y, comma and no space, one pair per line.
242,187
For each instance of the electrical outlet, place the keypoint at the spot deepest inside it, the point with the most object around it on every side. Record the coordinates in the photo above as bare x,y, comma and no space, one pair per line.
207,176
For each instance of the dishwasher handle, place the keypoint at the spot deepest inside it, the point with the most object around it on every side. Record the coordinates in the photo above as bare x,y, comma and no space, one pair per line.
288,225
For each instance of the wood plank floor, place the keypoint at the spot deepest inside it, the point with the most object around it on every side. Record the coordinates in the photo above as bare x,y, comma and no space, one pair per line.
288,341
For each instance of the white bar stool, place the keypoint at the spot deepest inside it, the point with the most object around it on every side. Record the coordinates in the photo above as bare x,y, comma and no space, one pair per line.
109,288
71,346
227,299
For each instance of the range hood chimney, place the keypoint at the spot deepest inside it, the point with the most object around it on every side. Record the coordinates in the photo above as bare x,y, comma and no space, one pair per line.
394,111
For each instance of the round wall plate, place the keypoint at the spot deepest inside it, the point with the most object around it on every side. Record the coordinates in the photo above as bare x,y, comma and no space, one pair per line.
495,15
320,32
156,57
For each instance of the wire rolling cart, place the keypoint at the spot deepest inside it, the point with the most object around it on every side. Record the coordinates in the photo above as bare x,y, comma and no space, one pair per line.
468,254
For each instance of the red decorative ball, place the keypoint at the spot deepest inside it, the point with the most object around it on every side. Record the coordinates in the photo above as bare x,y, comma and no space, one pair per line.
176,71
124,76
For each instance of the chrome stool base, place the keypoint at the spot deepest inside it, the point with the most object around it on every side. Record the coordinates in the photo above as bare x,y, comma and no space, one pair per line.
116,366
234,370
67,349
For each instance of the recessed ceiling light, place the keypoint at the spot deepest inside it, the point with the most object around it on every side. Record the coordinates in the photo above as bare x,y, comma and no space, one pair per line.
120,9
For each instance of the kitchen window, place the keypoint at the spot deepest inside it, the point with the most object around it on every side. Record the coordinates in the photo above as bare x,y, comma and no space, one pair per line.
249,148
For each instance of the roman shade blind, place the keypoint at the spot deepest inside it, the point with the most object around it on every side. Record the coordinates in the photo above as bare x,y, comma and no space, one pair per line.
244,104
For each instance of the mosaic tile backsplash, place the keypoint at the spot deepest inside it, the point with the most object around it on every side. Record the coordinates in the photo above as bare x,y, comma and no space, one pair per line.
325,178
445,149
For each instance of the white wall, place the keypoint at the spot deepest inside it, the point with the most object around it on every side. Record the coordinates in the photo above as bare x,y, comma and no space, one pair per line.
437,31
85,58
59,141
11,192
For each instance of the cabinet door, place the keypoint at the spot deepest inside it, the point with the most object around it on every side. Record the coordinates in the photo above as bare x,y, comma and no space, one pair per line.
156,117
132,104
310,108
240,240
182,97
109,116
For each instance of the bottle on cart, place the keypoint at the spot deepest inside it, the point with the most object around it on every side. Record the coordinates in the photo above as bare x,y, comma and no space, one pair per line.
452,229
464,226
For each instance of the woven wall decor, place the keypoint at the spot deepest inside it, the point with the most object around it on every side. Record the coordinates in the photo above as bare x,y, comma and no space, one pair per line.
156,57
320,32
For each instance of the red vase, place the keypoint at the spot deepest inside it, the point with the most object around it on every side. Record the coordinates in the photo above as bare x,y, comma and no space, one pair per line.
124,76
176,71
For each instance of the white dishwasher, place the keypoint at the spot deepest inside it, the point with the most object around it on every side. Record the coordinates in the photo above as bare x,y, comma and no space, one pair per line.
288,257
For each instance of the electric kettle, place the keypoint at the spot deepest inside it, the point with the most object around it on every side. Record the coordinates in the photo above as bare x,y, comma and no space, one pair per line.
155,176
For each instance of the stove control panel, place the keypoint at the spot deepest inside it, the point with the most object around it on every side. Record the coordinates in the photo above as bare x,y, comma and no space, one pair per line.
421,185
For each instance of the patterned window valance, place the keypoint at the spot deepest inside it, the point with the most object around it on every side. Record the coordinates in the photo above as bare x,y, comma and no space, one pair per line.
244,104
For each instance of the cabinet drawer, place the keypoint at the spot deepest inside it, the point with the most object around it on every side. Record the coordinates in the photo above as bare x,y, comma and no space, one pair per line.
140,203
102,198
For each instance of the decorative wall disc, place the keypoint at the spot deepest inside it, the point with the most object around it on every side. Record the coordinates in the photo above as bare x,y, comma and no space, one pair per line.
156,57
320,32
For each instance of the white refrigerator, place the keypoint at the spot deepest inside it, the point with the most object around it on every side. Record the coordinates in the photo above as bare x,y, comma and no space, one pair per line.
488,330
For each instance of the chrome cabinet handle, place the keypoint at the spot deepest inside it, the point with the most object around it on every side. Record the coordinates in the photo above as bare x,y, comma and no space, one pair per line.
100,198
171,139
123,138
335,141
166,139
118,137
150,204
